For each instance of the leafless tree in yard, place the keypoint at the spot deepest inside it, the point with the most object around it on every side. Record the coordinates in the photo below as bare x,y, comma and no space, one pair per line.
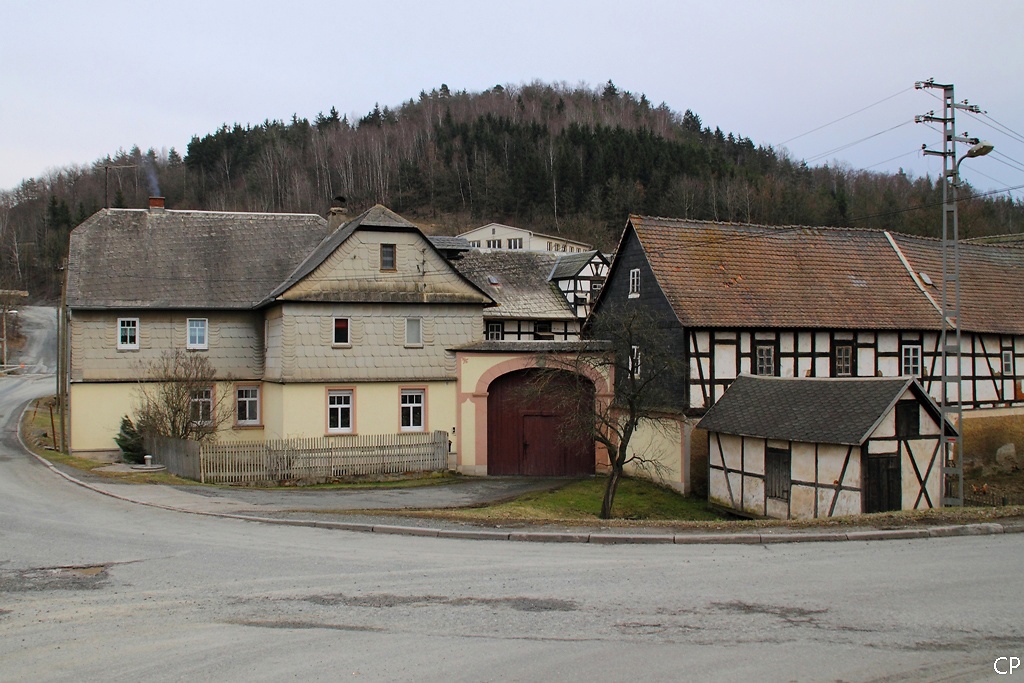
179,397
646,373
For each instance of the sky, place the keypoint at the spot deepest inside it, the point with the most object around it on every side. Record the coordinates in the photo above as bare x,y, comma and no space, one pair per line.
80,80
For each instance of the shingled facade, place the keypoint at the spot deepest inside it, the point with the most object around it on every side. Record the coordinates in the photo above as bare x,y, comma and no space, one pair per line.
313,332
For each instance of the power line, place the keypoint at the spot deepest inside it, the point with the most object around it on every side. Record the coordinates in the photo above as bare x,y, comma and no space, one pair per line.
842,118
898,156
856,142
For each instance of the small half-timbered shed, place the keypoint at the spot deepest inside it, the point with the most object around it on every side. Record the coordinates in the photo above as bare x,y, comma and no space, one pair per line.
580,278
794,448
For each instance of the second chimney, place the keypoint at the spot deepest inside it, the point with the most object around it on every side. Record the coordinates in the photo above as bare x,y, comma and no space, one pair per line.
156,203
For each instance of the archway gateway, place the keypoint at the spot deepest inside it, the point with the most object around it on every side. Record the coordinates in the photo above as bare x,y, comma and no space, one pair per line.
526,425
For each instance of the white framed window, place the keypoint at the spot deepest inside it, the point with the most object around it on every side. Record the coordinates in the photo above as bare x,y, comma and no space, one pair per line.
634,283
1007,368
413,404
201,406
413,332
339,411
495,331
475,244
247,405
910,360
515,242
494,244
388,257
128,333
341,336
634,361
764,360
198,337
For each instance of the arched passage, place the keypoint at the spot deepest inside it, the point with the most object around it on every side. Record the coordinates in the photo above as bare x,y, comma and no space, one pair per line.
525,434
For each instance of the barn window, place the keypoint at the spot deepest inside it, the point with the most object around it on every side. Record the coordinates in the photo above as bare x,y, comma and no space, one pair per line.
777,478
764,360
495,331
843,361
908,420
910,356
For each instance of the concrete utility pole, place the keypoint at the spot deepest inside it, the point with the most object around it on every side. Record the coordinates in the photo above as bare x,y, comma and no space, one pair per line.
950,339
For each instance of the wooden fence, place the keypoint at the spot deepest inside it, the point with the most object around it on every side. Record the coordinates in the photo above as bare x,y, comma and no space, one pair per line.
310,460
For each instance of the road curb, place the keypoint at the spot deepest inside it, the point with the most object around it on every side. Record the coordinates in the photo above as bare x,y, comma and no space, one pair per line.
743,537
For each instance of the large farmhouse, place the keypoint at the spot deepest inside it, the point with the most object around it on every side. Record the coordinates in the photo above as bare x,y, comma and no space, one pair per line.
364,329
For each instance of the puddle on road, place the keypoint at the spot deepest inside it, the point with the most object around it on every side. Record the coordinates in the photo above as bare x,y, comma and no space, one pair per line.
85,577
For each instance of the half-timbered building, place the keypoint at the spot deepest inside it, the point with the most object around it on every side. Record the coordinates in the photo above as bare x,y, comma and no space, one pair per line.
580,278
797,447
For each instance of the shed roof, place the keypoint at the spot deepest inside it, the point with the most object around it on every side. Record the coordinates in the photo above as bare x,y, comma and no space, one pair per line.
810,409
518,282
569,265
134,258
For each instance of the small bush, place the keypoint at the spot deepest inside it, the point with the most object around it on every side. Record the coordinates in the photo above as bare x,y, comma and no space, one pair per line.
129,440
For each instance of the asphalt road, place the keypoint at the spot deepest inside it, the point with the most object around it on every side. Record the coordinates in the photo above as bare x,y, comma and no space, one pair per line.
97,589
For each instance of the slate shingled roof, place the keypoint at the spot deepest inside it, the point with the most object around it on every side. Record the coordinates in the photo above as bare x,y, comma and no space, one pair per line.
569,265
809,409
730,275
447,242
162,259
520,283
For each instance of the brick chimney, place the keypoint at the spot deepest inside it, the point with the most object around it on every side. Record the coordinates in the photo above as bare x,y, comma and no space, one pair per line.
156,204
337,215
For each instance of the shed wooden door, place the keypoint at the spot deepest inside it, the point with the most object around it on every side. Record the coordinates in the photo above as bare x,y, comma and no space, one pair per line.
882,486
524,431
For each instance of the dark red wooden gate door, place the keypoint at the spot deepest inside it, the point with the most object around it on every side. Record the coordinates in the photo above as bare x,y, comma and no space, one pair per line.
524,431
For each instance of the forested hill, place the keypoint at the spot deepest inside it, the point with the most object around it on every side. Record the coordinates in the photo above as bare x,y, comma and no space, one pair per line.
565,160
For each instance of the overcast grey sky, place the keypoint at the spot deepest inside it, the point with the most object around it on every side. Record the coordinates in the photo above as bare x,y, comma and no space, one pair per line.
79,80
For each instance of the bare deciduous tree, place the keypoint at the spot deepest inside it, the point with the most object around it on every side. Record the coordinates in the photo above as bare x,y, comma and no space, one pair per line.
179,399
647,374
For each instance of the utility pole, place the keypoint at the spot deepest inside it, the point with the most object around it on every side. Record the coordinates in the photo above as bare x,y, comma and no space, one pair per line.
951,349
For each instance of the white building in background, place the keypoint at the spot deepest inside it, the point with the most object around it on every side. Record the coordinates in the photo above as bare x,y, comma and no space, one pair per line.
498,236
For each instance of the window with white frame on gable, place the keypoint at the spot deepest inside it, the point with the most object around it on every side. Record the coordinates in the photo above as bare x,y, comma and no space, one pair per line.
339,411
128,333
388,257
201,407
910,360
413,401
515,242
842,358
341,335
247,405
413,332
778,466
198,334
634,283
495,331
764,359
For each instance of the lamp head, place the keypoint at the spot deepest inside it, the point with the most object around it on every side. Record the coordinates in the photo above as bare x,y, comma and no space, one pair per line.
980,149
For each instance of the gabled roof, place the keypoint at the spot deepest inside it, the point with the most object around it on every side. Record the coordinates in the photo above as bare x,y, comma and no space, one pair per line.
991,281
554,238
810,409
161,259
518,282
570,265
735,275
449,243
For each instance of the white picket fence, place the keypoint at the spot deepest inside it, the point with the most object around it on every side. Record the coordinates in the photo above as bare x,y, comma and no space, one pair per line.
309,460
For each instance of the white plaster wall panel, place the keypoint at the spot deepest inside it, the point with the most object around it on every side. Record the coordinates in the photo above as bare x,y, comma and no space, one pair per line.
731,450
753,456
824,501
776,443
804,342
786,344
786,367
883,446
865,362
866,337
718,489
703,341
777,509
734,482
822,367
889,366
802,462
848,503
830,464
745,342
888,342
765,336
801,502
753,495
725,360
